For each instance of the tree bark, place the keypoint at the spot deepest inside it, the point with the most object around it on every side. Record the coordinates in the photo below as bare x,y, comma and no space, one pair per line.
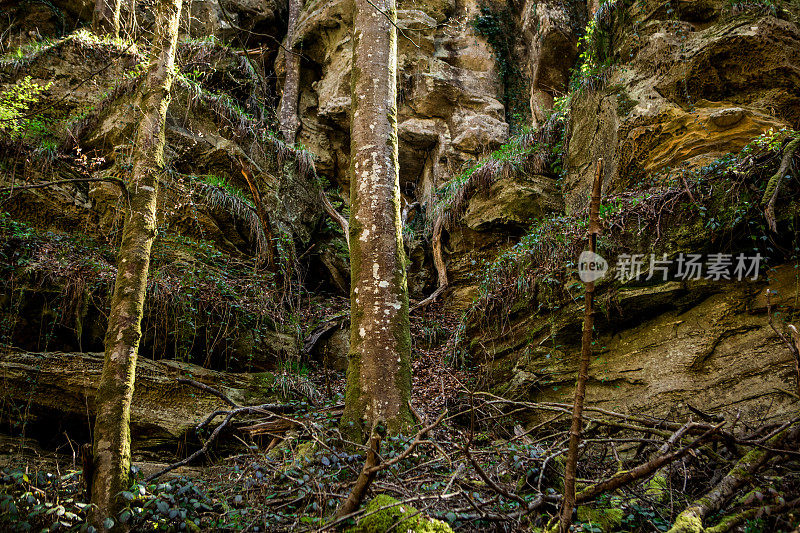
105,17
112,430
583,370
379,368
289,121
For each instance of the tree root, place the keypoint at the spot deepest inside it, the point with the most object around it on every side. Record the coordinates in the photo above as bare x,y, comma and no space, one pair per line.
774,184
438,261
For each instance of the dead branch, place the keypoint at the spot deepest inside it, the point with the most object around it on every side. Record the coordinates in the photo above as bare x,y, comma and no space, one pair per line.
667,446
336,216
418,439
373,465
367,475
526,507
196,454
206,388
688,190
627,476
691,519
264,408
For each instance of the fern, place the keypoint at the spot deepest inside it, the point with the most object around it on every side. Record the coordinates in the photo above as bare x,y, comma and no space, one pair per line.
217,193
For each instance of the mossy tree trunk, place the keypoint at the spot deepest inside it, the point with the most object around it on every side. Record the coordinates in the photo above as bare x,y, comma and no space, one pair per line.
289,121
113,402
691,519
105,18
379,369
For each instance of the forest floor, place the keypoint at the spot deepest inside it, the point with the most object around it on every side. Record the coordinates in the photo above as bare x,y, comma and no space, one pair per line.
486,464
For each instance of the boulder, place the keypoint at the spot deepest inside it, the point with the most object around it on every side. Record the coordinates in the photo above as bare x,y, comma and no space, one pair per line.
514,201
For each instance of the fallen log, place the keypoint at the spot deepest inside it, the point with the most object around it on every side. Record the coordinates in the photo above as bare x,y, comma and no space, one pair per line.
691,519
56,391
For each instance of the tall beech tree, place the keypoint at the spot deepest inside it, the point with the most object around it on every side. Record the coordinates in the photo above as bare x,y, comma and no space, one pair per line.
105,18
379,368
112,429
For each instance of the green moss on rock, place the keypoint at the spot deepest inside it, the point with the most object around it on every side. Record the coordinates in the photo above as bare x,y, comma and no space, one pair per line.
410,518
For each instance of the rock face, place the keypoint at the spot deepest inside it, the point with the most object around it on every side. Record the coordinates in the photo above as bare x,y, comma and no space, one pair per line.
686,88
661,349
549,30
56,393
689,87
449,109
518,200
683,86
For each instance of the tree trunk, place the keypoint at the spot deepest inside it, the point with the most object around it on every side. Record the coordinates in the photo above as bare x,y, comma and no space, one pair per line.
105,18
583,370
379,369
112,432
289,121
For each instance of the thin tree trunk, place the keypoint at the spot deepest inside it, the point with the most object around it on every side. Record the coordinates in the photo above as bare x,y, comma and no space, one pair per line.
379,369
583,371
288,118
105,18
113,402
